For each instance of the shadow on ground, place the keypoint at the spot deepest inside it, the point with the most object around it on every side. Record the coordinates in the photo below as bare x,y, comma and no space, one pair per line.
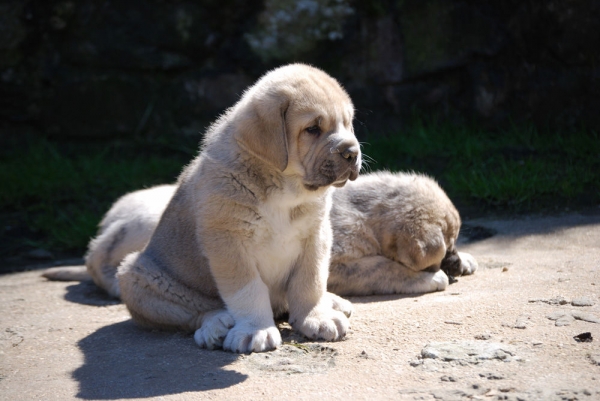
88,293
367,299
123,361
479,230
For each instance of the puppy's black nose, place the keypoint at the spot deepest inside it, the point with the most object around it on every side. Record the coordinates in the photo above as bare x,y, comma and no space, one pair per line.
350,153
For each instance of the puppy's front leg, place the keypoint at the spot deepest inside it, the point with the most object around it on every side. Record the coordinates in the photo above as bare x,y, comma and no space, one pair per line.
254,329
247,299
311,307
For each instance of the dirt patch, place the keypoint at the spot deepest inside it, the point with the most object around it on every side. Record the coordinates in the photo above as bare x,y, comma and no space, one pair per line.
294,358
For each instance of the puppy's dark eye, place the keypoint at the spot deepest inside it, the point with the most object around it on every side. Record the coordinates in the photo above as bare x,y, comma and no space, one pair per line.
314,130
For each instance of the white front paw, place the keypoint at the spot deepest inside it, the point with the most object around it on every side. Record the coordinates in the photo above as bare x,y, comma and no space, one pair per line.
468,264
215,327
245,337
323,323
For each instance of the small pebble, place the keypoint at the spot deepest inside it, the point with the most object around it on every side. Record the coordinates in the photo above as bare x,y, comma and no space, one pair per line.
483,336
584,337
492,376
521,322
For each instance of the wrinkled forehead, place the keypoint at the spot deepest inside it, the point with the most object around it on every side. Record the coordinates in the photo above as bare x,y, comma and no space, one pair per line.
322,101
323,114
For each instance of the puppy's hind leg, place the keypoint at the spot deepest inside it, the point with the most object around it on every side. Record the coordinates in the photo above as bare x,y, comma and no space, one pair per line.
157,300
372,275
214,328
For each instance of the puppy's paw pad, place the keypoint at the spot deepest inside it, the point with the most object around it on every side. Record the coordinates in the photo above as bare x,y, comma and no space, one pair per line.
341,304
214,329
468,264
246,338
331,325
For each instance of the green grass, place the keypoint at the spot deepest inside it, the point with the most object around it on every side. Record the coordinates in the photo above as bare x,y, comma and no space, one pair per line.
56,195
516,170
53,195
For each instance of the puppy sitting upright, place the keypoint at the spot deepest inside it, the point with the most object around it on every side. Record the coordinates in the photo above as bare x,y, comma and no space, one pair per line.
247,234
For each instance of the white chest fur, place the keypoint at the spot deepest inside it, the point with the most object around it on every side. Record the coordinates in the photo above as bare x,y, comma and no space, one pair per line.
288,219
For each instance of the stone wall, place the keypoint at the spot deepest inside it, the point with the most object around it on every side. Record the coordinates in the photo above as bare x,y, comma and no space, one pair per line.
100,68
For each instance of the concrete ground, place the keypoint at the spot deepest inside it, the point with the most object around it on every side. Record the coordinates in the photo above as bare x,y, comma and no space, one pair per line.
505,333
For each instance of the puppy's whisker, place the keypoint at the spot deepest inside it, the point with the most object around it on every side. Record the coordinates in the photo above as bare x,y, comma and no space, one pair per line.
368,158
365,167
366,163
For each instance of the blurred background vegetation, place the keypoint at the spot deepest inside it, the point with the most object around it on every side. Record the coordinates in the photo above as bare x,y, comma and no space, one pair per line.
498,100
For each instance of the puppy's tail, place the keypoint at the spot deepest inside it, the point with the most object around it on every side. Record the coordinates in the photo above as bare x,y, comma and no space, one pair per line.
67,273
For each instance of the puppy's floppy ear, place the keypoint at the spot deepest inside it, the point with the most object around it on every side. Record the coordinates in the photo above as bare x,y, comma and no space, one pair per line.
263,131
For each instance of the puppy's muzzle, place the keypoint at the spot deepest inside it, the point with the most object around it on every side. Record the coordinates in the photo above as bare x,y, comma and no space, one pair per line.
342,163
349,150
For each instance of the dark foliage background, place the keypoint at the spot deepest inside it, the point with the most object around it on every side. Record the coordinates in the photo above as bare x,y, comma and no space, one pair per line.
498,99
98,68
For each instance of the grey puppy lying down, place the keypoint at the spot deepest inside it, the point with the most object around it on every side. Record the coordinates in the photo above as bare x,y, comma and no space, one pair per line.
394,233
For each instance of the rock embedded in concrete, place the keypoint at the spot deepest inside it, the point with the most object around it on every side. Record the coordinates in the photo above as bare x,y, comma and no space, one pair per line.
585,316
582,301
472,352
564,318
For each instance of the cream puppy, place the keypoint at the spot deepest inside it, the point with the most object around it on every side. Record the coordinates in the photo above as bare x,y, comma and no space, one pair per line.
246,235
